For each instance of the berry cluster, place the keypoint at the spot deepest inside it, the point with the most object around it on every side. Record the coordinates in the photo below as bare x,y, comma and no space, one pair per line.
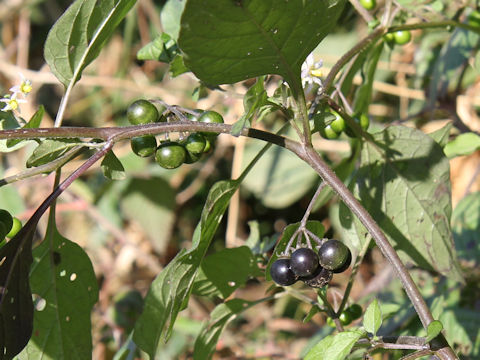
314,269
170,154
9,226
330,124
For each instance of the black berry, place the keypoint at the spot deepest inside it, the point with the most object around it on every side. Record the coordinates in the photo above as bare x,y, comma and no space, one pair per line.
304,262
281,273
335,256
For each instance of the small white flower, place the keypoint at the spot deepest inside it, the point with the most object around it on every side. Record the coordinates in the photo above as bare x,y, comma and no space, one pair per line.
311,71
12,102
24,88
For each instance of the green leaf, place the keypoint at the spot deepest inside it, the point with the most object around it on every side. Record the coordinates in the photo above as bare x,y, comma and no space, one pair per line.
314,226
463,144
65,287
404,183
177,66
112,167
433,329
372,319
16,306
163,48
225,271
151,203
170,17
80,33
441,135
34,123
335,347
172,288
280,178
363,96
229,41
466,228
206,341
51,149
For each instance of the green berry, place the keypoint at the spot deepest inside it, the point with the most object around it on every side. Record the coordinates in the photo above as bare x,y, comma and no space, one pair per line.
144,146
6,221
170,155
355,311
330,322
142,112
402,37
363,120
338,124
191,158
195,143
368,4
17,225
329,133
211,117
345,318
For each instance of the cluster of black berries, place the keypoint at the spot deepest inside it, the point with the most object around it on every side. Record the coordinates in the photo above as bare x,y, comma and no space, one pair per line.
170,154
315,270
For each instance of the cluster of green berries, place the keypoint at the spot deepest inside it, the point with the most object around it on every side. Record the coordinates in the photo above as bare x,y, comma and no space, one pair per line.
170,154
314,269
353,312
330,124
9,225
400,37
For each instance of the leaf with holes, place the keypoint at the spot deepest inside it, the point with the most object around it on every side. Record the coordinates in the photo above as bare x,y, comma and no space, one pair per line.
78,36
229,41
404,183
16,306
65,287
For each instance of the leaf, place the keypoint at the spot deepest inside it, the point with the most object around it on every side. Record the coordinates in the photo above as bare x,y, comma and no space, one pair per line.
433,330
372,319
314,226
163,48
50,149
363,95
229,41
112,167
335,347
16,306
404,183
463,144
80,33
177,66
466,228
441,135
172,288
65,287
34,123
151,203
206,341
280,179
170,17
225,271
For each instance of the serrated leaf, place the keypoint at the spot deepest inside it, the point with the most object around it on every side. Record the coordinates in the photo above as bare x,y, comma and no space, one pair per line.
112,167
433,329
33,123
66,289
229,41
16,306
172,288
372,319
404,183
206,341
225,271
51,149
463,144
314,226
80,33
163,48
335,347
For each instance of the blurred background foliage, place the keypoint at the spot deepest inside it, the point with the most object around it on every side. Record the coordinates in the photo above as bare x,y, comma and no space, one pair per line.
134,227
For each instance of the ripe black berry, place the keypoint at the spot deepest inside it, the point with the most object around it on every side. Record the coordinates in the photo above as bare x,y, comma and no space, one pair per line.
281,272
335,256
304,262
